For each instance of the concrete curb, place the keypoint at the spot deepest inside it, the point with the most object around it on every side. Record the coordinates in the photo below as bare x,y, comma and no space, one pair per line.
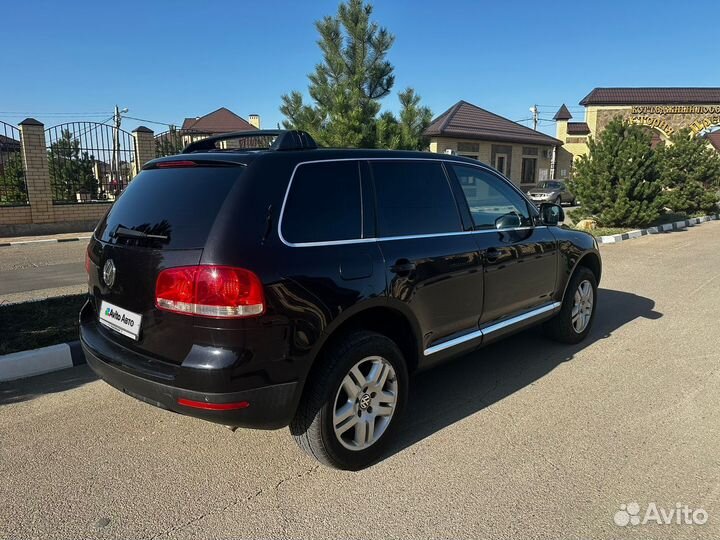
23,364
678,225
44,241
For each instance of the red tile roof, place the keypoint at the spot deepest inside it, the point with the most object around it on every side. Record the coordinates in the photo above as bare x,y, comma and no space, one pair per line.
471,122
651,96
578,128
220,121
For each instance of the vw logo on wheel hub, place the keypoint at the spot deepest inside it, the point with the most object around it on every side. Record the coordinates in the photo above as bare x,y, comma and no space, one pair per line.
109,273
364,401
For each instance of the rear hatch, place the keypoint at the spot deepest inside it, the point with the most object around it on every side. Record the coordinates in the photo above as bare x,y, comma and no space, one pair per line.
162,220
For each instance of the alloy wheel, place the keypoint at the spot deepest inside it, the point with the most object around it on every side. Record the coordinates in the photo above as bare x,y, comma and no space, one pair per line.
582,306
365,403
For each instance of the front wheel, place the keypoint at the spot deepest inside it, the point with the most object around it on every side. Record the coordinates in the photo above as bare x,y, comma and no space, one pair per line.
352,403
576,315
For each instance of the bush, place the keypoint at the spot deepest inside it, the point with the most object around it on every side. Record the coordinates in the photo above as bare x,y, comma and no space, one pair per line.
689,174
617,182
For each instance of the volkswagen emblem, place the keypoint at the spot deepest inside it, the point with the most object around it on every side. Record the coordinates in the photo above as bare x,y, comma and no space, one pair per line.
365,401
109,273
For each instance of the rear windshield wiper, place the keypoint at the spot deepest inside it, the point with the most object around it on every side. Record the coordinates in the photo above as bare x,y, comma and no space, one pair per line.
124,232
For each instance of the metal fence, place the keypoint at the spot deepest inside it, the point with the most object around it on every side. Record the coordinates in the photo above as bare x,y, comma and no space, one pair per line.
13,185
89,161
172,141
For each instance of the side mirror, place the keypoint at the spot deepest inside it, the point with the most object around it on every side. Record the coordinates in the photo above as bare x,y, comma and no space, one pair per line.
508,221
551,214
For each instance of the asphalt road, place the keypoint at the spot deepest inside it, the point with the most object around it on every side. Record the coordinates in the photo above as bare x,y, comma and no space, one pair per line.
36,271
524,439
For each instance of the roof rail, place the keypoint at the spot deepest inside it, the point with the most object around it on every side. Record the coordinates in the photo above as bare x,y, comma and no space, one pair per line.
284,140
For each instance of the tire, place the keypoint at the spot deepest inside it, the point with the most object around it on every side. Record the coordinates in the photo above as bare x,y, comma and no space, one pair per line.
314,425
562,328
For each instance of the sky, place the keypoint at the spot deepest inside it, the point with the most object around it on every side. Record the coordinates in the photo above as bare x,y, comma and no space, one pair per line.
167,60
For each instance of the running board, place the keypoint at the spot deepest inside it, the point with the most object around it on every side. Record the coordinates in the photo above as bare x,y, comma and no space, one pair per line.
477,334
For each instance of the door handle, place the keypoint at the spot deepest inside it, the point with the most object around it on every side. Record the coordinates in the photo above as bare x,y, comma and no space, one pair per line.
402,267
492,255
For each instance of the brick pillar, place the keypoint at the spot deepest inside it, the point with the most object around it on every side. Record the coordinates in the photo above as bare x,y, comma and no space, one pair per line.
144,147
37,174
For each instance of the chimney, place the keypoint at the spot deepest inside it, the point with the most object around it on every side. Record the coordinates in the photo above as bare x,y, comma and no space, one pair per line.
254,120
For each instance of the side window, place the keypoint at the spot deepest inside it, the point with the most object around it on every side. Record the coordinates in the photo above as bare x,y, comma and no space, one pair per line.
324,203
493,204
413,197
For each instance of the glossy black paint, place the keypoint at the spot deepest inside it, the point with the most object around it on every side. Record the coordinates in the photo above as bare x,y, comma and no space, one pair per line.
440,287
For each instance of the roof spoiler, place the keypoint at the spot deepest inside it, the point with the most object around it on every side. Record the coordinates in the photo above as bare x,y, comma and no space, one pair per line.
284,140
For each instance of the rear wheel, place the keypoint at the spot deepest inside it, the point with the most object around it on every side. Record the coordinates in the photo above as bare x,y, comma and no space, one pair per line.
352,404
576,315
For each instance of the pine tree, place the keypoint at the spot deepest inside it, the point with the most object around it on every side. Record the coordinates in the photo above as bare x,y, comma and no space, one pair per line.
12,180
618,180
689,174
405,132
71,169
347,86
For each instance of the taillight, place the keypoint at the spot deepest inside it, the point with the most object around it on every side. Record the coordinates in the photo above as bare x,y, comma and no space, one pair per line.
175,164
210,291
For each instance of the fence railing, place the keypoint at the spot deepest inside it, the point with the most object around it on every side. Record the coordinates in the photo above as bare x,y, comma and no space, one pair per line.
13,184
88,161
172,141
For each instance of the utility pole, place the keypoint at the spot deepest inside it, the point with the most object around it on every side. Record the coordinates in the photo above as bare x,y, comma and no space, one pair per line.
534,111
115,171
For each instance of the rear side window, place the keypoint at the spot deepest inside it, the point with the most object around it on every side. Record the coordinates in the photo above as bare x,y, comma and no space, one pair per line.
413,197
180,203
324,203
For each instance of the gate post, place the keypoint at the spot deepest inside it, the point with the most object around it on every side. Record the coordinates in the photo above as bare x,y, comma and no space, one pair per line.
144,147
37,173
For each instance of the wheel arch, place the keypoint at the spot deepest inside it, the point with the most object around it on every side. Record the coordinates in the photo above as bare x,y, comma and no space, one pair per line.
590,260
393,322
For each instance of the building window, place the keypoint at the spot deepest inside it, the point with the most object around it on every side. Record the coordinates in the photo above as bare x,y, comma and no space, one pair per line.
472,148
528,171
530,151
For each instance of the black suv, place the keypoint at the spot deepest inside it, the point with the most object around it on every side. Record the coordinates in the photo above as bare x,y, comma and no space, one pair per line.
275,283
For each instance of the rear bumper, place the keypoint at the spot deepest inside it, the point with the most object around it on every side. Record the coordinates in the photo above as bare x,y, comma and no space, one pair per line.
270,406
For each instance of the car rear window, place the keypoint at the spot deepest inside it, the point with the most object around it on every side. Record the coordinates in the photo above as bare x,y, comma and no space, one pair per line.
180,203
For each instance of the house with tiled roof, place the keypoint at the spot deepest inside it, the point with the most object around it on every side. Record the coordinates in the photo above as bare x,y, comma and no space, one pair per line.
222,120
661,110
522,154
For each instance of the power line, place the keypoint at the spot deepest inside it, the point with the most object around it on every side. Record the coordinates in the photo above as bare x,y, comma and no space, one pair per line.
22,113
149,121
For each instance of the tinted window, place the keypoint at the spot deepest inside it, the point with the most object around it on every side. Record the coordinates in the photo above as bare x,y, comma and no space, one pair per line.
323,203
493,204
413,197
179,203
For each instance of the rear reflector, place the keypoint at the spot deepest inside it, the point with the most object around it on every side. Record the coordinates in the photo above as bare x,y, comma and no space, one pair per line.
213,406
174,164
210,291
